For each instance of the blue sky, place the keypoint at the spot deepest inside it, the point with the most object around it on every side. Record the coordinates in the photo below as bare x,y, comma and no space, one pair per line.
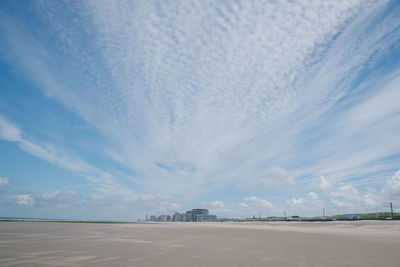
114,110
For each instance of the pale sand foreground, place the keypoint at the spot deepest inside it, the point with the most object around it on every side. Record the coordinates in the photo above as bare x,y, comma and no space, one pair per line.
200,244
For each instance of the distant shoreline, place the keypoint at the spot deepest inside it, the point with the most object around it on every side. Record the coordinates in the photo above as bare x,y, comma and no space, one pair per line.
144,222
6,219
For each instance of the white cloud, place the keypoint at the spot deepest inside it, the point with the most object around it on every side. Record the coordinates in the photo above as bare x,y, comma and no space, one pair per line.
343,202
212,88
194,96
103,181
8,131
3,182
324,184
347,191
217,204
344,198
350,137
311,197
255,206
273,178
106,183
168,207
220,209
50,195
75,205
244,205
310,205
24,199
392,187
258,202
340,204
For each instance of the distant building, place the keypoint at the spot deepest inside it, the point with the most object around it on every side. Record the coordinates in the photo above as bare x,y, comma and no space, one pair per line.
164,218
188,216
185,217
206,218
177,217
353,217
198,212
194,215
181,217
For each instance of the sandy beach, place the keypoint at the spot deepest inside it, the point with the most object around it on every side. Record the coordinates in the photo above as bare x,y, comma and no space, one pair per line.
362,243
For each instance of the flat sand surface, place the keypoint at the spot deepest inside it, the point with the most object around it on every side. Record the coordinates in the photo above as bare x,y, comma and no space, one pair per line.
363,243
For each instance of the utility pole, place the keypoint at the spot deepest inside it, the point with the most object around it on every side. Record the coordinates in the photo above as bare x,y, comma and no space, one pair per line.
391,209
323,214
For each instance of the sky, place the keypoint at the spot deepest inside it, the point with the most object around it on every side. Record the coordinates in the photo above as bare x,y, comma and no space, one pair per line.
111,110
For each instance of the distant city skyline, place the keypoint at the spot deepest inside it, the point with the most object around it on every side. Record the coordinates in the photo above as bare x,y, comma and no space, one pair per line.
193,215
111,110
